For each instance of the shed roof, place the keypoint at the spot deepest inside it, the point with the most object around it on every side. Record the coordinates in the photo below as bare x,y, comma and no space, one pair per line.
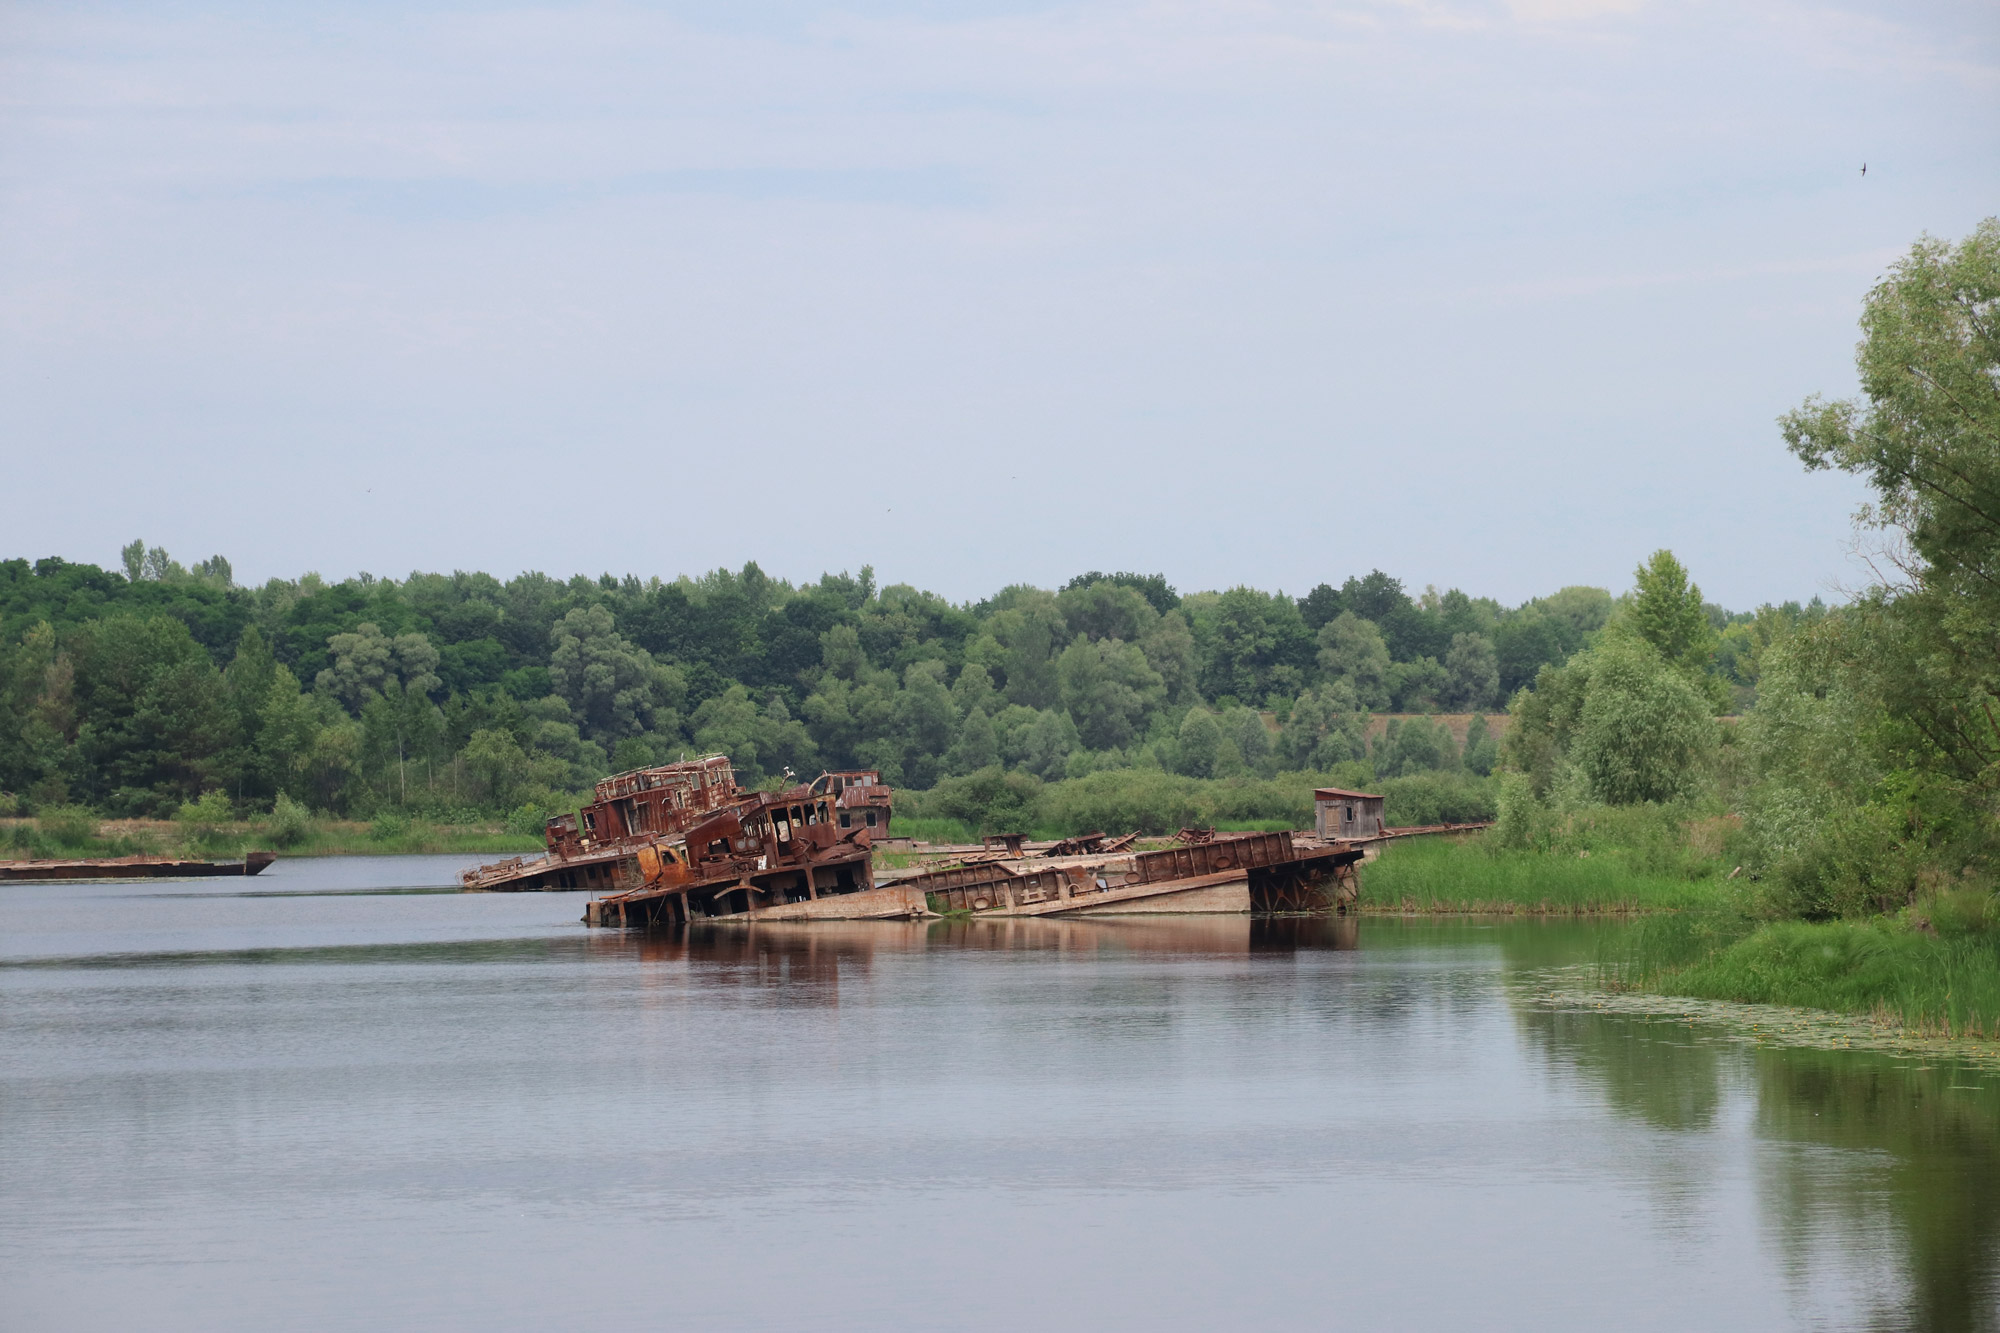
1337,794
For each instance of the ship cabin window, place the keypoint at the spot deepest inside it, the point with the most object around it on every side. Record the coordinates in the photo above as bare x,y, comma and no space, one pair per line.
1350,814
781,826
590,820
846,820
870,816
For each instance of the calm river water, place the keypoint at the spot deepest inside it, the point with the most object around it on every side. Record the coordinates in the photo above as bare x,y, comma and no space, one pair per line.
335,1101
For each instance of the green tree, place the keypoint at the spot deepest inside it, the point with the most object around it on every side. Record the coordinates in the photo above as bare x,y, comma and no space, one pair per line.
1481,751
977,746
1473,671
614,687
1667,612
1108,688
1104,610
1415,745
1927,440
1351,651
1045,744
1325,727
1028,630
1201,744
367,660
1246,731
1645,732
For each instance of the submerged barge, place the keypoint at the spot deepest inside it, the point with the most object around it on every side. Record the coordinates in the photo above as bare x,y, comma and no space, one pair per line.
1231,872
680,842
795,880
599,847
134,867
685,840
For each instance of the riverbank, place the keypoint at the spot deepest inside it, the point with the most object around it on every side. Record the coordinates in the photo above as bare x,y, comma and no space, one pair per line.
1934,971
22,838
1465,875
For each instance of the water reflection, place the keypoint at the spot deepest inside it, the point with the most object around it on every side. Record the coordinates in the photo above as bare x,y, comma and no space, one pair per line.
213,1108
1918,1158
1877,1178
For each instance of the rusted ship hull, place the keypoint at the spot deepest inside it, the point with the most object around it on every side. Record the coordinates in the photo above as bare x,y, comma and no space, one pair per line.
790,892
605,871
1264,873
1255,872
133,867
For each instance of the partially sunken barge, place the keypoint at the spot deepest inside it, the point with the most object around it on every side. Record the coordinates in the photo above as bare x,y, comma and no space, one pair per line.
667,845
689,840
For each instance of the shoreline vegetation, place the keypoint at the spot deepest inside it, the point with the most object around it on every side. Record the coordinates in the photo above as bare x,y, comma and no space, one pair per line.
1462,875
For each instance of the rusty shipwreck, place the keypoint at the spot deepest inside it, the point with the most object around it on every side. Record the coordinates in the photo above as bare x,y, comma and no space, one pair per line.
686,840
668,845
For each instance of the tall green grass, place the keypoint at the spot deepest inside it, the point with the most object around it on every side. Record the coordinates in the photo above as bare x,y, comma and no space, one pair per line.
1443,874
1904,970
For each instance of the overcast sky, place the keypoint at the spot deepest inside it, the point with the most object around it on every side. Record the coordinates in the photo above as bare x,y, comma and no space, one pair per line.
1492,295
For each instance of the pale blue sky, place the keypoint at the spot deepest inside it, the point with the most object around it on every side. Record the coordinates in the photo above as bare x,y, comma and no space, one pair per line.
1495,295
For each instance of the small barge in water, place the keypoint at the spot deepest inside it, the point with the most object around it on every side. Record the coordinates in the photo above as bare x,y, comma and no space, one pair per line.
134,867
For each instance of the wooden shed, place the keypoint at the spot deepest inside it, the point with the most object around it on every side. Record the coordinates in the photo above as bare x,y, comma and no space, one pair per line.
1346,814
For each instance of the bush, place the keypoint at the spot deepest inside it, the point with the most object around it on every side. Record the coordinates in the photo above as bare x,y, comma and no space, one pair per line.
203,822
290,823
529,819
990,801
206,814
1437,798
388,827
69,826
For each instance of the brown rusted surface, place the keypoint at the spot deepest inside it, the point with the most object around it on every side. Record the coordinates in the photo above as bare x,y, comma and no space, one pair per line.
1083,844
1236,851
600,846
1263,872
1194,835
860,799
134,867
765,850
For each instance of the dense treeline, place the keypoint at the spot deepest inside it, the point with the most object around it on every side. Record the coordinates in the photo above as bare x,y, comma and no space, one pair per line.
134,691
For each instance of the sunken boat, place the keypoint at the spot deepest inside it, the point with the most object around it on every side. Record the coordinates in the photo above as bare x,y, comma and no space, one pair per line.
134,867
682,840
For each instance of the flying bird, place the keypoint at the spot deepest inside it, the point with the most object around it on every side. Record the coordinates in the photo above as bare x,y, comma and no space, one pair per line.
1864,168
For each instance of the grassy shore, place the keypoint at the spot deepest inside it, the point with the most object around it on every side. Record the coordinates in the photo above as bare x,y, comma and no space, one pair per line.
1446,875
1934,970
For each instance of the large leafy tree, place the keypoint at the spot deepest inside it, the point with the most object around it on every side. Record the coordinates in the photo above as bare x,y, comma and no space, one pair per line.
1926,437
